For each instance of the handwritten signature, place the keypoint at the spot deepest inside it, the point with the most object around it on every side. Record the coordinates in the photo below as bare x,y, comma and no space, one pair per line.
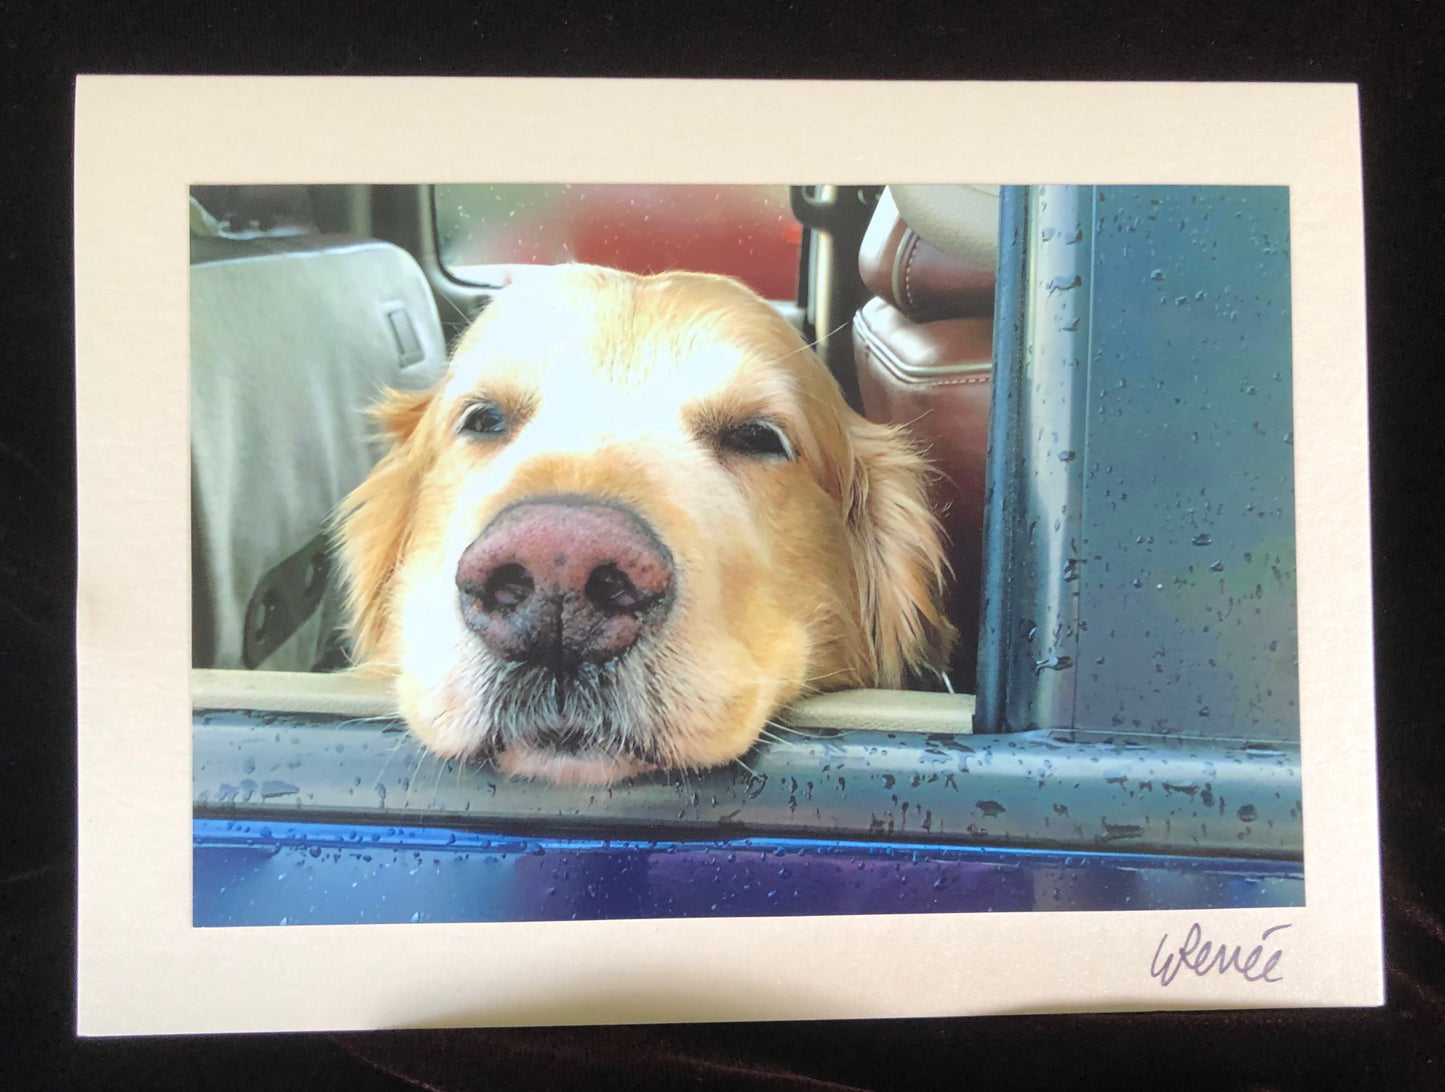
1204,957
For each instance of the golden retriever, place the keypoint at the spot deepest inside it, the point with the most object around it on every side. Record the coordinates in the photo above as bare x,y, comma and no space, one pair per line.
634,520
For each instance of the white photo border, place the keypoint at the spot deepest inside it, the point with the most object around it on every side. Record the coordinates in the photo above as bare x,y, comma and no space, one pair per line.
141,142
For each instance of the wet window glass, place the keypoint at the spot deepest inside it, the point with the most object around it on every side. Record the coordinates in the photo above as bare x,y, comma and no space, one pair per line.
747,232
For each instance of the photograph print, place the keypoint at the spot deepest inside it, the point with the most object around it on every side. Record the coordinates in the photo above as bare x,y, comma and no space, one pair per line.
607,551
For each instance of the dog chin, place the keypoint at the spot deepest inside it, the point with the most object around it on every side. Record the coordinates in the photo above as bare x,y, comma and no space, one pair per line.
598,769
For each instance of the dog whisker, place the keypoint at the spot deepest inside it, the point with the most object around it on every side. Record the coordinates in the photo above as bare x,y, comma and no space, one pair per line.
752,773
400,743
414,776
779,741
810,346
437,785
453,305
378,718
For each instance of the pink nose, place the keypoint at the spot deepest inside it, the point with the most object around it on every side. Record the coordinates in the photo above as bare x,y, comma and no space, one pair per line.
563,581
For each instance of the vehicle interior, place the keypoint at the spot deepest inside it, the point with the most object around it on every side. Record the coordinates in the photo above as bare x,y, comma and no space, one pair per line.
1032,778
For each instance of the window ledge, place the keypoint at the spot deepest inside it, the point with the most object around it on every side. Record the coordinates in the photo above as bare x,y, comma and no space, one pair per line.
1028,789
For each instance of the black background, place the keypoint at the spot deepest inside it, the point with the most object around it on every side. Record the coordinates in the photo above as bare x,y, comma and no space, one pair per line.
1394,51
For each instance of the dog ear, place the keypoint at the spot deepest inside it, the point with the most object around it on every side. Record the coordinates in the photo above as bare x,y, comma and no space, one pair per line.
374,521
398,413
897,554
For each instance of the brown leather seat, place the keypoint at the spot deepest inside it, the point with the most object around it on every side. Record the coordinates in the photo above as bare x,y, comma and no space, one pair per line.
924,350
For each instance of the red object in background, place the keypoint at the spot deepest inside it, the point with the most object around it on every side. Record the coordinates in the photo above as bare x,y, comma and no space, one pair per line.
747,232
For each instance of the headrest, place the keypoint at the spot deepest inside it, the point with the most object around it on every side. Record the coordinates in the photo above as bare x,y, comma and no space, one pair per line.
932,251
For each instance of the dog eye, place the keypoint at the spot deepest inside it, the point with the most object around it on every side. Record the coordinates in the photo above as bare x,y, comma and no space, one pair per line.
484,419
756,438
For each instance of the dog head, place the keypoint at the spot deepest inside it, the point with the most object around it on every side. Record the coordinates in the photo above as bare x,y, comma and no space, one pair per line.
634,520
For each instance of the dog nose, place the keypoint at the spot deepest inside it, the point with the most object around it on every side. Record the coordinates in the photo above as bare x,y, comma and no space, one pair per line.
564,581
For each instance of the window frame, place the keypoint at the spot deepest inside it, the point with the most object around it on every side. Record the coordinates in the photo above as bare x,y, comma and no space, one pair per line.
845,765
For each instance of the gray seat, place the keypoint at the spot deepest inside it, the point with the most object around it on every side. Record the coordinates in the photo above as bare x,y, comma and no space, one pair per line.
291,340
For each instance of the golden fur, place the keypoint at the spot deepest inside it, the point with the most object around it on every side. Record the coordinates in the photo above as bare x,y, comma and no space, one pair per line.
817,572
